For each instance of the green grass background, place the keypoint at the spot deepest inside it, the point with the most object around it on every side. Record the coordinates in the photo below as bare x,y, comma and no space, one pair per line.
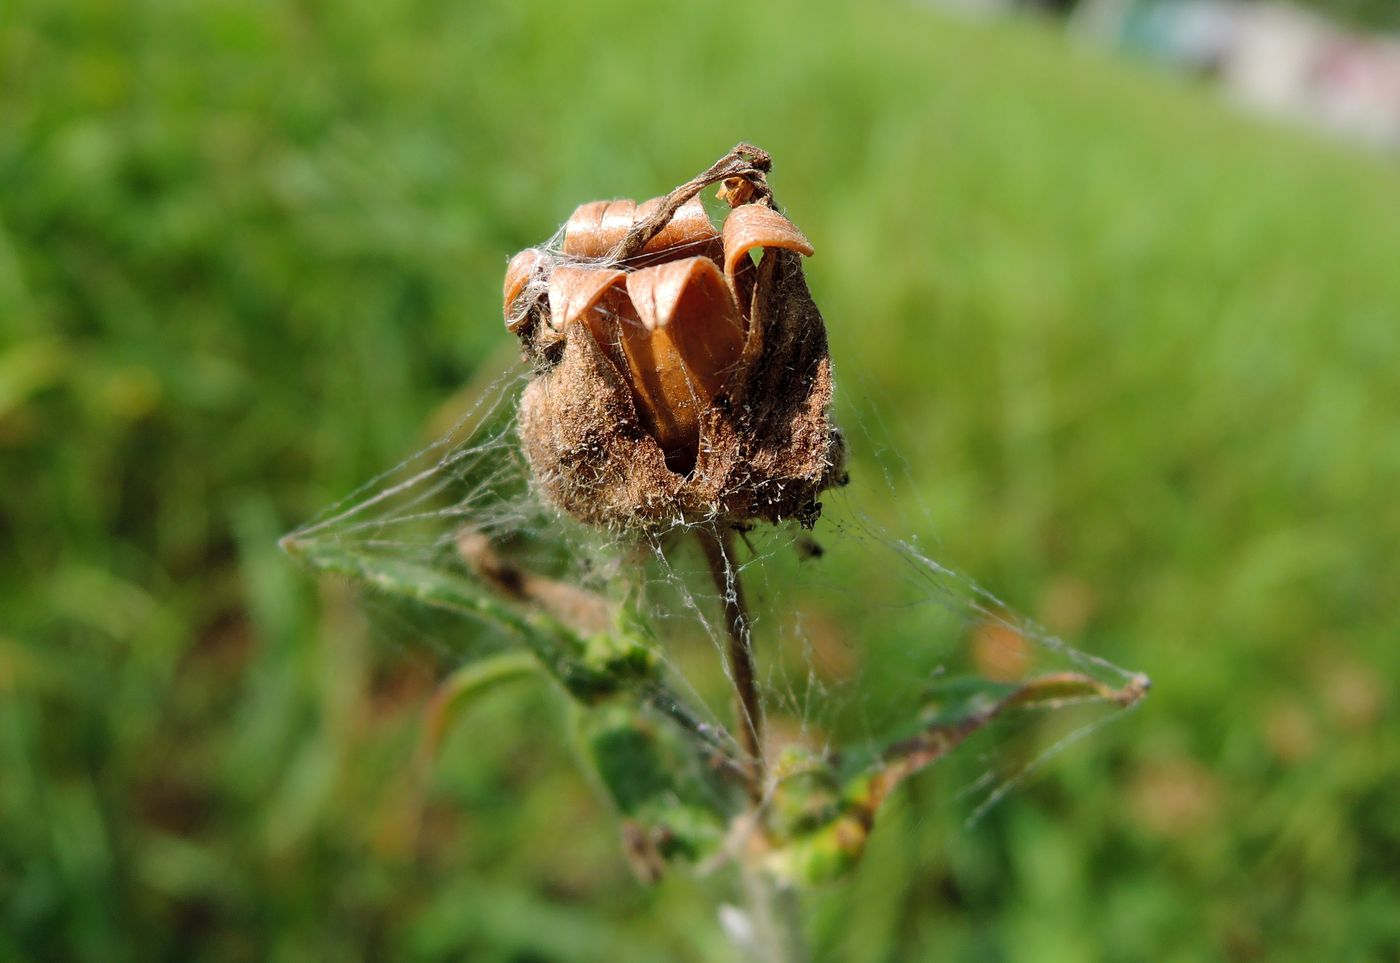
1141,354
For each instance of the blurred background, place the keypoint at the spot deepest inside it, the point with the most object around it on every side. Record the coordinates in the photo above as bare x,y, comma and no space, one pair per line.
1139,347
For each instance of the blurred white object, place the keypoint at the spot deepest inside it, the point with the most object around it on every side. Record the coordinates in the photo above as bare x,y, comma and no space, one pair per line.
1296,64
1270,57
740,929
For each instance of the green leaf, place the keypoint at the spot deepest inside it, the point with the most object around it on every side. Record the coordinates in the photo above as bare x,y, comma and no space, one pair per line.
809,850
671,807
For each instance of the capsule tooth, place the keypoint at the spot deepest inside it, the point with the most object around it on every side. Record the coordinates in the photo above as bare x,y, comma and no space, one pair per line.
754,225
687,338
583,234
521,270
574,290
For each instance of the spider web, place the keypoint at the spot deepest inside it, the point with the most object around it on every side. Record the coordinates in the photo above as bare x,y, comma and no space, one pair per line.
861,636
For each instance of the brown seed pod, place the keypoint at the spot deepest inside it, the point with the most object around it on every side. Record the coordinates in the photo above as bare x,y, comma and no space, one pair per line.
678,379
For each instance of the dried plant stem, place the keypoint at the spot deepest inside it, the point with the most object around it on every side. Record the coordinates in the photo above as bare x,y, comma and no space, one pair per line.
772,909
744,161
719,555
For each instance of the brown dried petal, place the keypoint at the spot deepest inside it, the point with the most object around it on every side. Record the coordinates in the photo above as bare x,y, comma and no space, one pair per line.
754,225
689,339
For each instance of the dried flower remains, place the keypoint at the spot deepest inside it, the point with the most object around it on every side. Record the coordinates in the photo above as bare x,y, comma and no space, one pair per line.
681,378
681,373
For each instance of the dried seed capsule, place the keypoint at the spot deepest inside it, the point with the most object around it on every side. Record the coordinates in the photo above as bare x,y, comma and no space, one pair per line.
676,380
